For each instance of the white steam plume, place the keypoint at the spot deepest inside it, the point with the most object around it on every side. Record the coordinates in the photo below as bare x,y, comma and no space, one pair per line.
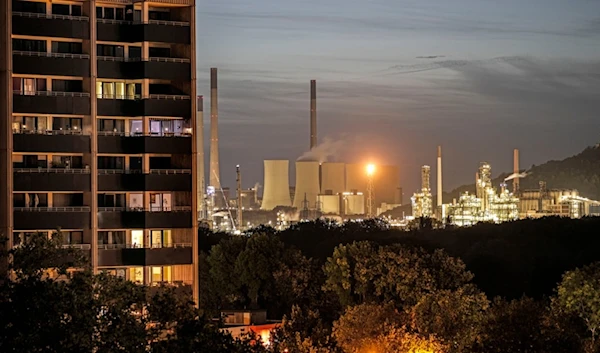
326,150
516,175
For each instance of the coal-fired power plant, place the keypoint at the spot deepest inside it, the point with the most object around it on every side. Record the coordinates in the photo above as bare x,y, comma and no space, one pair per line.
307,185
215,175
313,114
276,185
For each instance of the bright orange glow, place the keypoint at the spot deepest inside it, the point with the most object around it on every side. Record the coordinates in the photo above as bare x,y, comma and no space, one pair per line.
370,169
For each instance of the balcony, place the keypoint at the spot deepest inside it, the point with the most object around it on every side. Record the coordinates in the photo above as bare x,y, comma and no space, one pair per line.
151,31
36,24
58,64
156,180
123,218
127,255
153,105
153,68
136,144
50,141
47,102
48,218
51,179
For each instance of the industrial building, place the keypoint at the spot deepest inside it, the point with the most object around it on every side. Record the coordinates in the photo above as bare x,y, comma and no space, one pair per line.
422,201
486,205
99,112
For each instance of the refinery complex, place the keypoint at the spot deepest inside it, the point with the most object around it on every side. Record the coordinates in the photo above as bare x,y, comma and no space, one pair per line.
343,191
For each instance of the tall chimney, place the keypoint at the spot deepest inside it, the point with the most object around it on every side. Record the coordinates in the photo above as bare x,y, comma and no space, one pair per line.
516,171
215,175
199,134
439,177
313,114
239,197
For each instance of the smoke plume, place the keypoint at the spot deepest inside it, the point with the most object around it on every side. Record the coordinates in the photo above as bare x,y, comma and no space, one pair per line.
516,175
326,151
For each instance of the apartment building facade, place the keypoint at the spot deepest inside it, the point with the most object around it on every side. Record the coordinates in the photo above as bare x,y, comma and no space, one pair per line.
97,129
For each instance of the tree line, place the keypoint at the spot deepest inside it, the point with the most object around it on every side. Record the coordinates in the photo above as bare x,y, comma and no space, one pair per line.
352,288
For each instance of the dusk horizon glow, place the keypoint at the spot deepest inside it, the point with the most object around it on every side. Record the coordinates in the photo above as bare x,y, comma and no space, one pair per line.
397,78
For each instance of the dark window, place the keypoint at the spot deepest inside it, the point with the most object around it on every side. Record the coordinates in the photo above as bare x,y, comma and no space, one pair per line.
109,13
40,84
135,52
120,14
67,124
99,12
67,47
111,200
111,125
111,237
159,15
66,162
110,50
29,45
76,10
67,200
160,162
67,86
135,163
72,238
61,9
160,52
30,200
105,162
29,6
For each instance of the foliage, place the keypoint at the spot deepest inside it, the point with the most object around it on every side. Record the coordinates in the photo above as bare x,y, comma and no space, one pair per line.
523,326
579,294
361,272
304,331
59,309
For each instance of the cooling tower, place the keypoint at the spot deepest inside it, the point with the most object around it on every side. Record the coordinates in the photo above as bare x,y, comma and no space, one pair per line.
276,185
307,184
333,178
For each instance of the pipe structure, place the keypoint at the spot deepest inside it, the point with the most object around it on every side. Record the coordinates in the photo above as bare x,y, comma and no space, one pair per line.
200,182
313,114
439,177
215,175
516,171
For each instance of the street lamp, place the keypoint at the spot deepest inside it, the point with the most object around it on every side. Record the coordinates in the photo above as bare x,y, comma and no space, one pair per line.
370,189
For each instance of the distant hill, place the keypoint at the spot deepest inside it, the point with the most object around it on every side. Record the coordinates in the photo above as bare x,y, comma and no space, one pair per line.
580,172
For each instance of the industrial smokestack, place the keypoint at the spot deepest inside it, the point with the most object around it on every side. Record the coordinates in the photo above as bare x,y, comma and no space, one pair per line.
199,134
239,197
313,114
439,177
516,171
215,175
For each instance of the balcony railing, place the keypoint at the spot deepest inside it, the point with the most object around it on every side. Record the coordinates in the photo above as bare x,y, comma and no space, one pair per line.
51,93
135,134
120,171
142,209
170,171
119,96
169,96
77,246
151,22
53,209
169,60
51,55
27,131
50,16
53,170
139,246
168,23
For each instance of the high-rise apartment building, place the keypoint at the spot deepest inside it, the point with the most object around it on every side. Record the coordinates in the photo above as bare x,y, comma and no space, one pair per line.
98,114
